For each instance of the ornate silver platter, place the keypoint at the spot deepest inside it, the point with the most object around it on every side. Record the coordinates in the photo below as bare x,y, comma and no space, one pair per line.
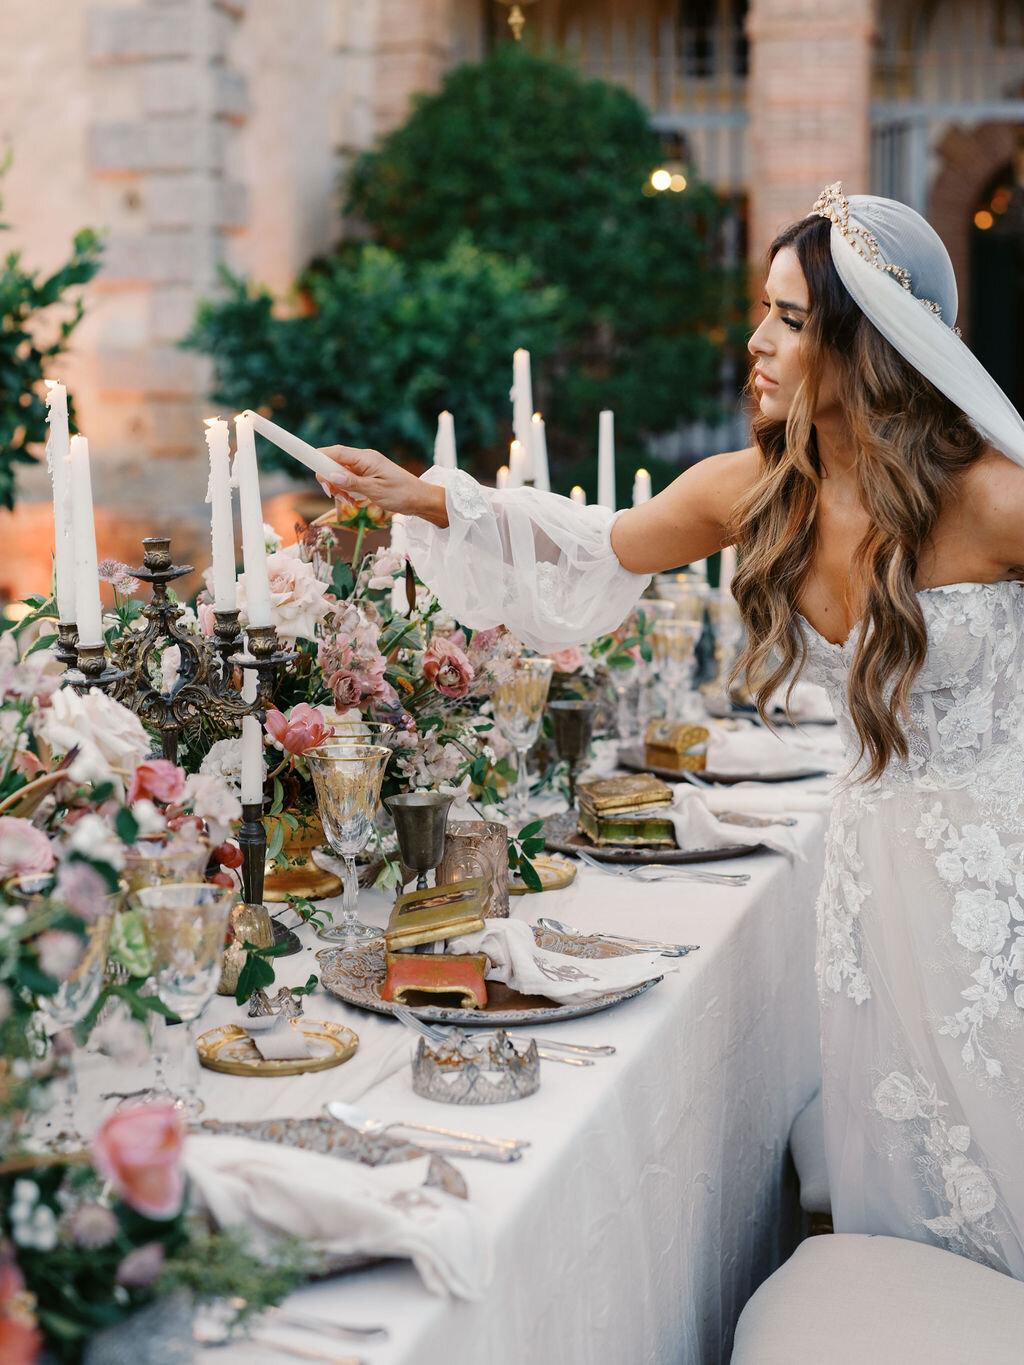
561,834
356,977
635,762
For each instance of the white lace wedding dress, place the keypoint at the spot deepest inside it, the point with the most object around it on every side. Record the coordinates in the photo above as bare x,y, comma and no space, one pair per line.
921,946
921,915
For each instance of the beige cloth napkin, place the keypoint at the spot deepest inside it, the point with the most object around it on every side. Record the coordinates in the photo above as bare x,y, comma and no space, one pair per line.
696,826
518,962
770,798
281,1042
342,1207
754,750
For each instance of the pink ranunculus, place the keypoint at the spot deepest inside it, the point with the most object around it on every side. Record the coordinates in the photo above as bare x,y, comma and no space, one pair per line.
304,728
568,660
445,665
157,779
23,848
139,1151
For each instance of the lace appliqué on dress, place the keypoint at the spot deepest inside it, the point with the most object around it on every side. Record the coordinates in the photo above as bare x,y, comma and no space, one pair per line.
468,500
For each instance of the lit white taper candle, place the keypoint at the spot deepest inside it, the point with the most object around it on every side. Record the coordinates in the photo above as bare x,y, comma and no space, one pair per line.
641,487
444,442
252,747
517,465
222,527
57,451
578,496
728,567
254,552
399,547
606,459
501,477
539,452
521,395
88,613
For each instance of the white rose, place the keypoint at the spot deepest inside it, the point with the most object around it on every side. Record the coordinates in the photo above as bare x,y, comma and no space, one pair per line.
110,739
215,802
895,1097
981,921
298,600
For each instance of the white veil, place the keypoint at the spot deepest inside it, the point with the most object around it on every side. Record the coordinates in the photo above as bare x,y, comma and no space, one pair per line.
900,276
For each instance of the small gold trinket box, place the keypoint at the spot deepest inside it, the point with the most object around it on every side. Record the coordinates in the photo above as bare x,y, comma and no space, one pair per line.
669,744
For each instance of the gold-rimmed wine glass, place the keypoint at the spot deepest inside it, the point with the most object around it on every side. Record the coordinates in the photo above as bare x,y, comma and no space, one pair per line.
518,709
348,778
185,927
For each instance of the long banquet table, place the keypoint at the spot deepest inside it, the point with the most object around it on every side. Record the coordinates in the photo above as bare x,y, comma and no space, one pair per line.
654,1197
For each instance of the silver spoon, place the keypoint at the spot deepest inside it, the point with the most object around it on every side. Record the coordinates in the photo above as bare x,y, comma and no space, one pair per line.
466,1145
651,945
656,872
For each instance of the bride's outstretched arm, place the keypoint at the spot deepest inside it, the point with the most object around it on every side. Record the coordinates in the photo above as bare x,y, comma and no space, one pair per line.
554,573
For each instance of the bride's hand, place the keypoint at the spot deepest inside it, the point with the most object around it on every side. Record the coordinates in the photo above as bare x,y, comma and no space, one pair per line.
374,477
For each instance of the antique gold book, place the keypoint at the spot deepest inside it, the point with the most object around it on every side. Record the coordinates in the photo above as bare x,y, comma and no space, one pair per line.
436,913
630,791
633,829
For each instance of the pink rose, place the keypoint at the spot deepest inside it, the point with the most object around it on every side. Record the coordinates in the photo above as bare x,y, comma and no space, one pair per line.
206,616
23,848
445,665
157,779
139,1151
303,729
568,660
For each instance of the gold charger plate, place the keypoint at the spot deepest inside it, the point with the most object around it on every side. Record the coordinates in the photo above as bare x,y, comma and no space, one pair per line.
555,875
230,1049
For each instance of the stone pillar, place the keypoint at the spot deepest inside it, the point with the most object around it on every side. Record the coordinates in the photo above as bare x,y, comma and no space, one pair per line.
809,93
413,45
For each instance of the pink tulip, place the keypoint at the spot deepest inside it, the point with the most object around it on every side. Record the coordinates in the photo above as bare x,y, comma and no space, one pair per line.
304,729
157,779
139,1151
445,665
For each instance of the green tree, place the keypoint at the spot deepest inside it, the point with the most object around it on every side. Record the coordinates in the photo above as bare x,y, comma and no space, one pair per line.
379,346
25,296
537,162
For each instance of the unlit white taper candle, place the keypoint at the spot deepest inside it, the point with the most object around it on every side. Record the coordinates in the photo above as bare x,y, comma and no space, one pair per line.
254,546
322,465
88,612
522,406
252,747
57,451
606,459
222,527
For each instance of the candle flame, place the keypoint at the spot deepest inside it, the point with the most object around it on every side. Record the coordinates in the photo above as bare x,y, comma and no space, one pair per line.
514,447
642,474
51,383
503,469
536,417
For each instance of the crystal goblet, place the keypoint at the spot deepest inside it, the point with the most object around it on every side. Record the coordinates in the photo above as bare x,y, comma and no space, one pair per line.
348,779
672,643
518,710
572,725
154,862
185,927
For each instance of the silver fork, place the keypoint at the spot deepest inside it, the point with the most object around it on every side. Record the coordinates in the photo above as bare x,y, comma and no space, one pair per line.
659,872
641,944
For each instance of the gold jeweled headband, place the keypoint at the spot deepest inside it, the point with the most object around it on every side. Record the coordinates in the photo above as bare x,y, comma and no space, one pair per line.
833,204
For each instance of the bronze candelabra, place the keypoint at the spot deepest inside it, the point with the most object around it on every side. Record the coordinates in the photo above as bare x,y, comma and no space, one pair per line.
204,687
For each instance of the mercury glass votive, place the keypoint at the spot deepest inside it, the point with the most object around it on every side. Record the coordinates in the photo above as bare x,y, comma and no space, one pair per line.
348,779
478,848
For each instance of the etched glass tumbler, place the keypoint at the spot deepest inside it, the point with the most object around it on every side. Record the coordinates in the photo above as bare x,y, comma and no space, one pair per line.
518,709
348,779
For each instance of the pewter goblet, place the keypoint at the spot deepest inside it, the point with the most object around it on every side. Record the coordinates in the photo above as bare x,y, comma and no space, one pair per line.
348,778
572,724
420,819
518,709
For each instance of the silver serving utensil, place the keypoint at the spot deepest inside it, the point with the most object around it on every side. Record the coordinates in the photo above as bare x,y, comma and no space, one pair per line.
657,872
312,1323
435,1034
467,1145
647,944
207,1334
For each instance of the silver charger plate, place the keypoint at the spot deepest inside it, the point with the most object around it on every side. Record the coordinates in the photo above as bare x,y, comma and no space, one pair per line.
635,762
357,976
561,834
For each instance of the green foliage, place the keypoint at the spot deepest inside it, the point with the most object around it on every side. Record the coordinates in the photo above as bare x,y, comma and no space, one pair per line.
381,347
534,161
523,848
28,342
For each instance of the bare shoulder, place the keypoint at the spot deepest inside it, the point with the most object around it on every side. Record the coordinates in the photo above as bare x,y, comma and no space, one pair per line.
993,491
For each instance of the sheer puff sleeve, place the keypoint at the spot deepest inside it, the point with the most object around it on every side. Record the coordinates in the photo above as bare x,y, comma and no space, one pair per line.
534,562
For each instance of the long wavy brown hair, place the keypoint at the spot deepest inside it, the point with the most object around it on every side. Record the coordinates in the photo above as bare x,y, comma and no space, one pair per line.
912,446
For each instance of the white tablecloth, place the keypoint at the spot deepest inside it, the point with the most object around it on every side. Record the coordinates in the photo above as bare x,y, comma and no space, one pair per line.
651,1202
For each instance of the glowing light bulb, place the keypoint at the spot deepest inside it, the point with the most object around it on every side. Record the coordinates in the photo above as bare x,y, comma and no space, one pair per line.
661,179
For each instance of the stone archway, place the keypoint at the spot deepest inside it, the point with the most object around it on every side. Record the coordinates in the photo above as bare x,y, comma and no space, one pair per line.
970,158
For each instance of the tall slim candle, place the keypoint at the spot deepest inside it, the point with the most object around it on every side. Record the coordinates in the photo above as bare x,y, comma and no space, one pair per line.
521,395
516,465
88,612
539,451
254,553
578,495
322,465
222,528
57,451
501,478
606,459
252,747
444,442
641,487
728,567
399,547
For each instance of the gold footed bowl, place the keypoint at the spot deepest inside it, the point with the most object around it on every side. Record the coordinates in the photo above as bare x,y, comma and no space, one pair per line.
301,877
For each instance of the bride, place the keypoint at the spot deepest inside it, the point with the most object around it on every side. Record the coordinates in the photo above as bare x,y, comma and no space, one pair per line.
881,532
